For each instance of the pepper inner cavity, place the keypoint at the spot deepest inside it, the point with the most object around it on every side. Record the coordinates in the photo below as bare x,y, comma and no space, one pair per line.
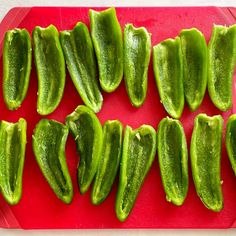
140,147
50,144
85,136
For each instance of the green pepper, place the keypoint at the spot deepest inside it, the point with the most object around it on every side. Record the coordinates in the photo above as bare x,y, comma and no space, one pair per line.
107,40
194,54
49,140
87,132
109,161
137,51
173,160
167,65
137,157
17,55
205,155
80,59
50,66
230,140
12,146
221,61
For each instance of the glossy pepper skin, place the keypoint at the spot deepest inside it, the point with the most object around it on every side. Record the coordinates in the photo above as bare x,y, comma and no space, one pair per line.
137,51
230,141
167,65
109,161
205,152
173,160
194,54
12,146
17,56
81,63
138,153
87,132
221,61
108,44
49,140
50,67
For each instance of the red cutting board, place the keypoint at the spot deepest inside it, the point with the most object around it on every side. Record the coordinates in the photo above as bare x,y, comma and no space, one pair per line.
39,208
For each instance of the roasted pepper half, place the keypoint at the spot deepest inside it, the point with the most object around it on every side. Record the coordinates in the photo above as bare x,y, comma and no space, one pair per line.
167,64
17,56
230,141
49,140
87,132
205,155
107,40
109,161
221,61
81,63
173,160
137,156
194,53
50,66
12,146
137,51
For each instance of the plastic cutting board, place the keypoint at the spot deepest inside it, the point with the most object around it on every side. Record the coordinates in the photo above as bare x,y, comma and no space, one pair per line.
39,208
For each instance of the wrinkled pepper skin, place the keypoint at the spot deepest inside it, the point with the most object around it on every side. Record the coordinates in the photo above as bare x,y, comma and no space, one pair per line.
108,44
81,63
12,146
173,160
139,147
50,67
167,65
17,56
205,152
221,61
87,132
49,140
137,51
109,161
230,141
194,53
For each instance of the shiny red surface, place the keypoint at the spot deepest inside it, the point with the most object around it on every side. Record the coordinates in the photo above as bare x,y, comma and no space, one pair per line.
40,208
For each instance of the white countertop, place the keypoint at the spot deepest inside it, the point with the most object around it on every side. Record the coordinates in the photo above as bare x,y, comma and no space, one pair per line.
6,5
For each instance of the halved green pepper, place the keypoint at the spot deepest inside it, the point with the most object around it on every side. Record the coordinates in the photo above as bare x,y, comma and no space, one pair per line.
137,51
87,132
12,146
173,160
109,161
17,56
194,53
205,155
221,61
137,157
108,44
50,66
167,65
49,140
81,63
230,141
